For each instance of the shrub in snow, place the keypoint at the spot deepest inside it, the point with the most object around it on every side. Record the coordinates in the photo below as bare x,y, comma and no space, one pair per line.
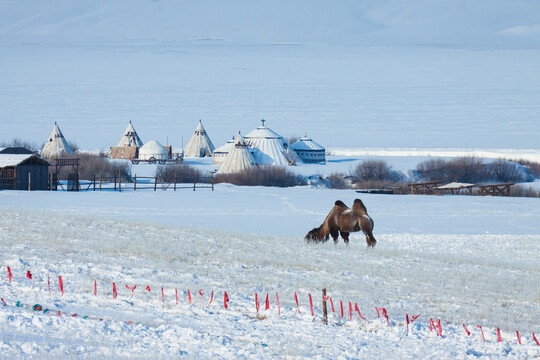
182,172
263,176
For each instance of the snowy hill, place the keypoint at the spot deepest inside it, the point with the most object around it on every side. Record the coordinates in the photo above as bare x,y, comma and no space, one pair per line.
458,22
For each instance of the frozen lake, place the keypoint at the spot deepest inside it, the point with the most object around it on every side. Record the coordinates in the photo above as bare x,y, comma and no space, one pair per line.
342,97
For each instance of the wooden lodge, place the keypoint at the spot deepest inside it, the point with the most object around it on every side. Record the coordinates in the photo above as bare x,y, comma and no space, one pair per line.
21,169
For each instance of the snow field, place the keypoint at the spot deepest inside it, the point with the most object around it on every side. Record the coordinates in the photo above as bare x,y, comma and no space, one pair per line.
475,279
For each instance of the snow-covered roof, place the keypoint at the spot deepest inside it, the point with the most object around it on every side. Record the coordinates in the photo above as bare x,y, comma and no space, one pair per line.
200,144
270,147
16,159
130,137
152,149
225,148
306,144
56,144
239,158
455,185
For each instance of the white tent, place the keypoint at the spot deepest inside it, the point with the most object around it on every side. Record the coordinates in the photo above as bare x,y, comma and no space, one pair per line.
309,151
200,144
130,137
56,145
270,147
239,158
220,154
153,151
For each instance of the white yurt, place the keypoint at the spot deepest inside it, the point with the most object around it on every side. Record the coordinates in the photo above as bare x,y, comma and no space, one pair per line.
200,144
56,145
309,151
130,137
220,154
239,158
153,151
270,147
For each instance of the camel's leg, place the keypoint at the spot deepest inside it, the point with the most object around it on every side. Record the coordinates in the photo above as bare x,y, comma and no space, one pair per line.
370,239
345,236
335,235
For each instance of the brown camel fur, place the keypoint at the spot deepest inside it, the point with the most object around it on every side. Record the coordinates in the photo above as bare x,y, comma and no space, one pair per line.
343,220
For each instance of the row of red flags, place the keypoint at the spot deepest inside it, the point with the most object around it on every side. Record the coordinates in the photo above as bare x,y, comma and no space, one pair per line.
381,312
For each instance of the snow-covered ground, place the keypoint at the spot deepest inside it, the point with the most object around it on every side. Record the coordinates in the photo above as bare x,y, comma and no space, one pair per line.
460,259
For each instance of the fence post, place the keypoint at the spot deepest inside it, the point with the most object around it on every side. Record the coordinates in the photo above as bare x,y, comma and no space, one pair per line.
135,183
50,183
114,181
94,181
155,183
99,180
325,310
29,181
212,173
174,181
119,181
194,181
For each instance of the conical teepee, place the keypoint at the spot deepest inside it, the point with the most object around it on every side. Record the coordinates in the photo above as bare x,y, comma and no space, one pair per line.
239,158
130,137
56,145
200,144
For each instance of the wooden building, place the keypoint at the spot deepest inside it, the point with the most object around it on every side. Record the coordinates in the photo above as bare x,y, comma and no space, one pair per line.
21,169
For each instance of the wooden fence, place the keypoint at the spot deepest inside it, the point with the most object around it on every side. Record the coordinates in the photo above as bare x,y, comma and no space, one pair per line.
137,183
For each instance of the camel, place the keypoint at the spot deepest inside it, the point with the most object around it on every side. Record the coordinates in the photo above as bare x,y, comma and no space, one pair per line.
343,220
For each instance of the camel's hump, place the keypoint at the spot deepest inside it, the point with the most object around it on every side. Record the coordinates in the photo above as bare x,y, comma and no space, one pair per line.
340,203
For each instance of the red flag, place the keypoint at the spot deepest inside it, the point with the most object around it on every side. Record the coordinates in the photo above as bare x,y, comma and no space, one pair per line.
60,284
378,310
256,302
296,299
3,301
163,295
201,293
325,298
267,303
350,311
311,304
341,304
132,288
499,337
407,319
431,325
482,331
536,340
176,295
439,328
225,300
467,330
29,274
358,310
147,287
9,274
383,312
114,292
95,288
189,296
414,318
519,339
278,307
211,297
332,304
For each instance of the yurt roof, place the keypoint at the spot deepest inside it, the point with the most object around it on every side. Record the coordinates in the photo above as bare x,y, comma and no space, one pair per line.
306,144
225,148
56,144
152,147
270,146
130,137
239,158
199,144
